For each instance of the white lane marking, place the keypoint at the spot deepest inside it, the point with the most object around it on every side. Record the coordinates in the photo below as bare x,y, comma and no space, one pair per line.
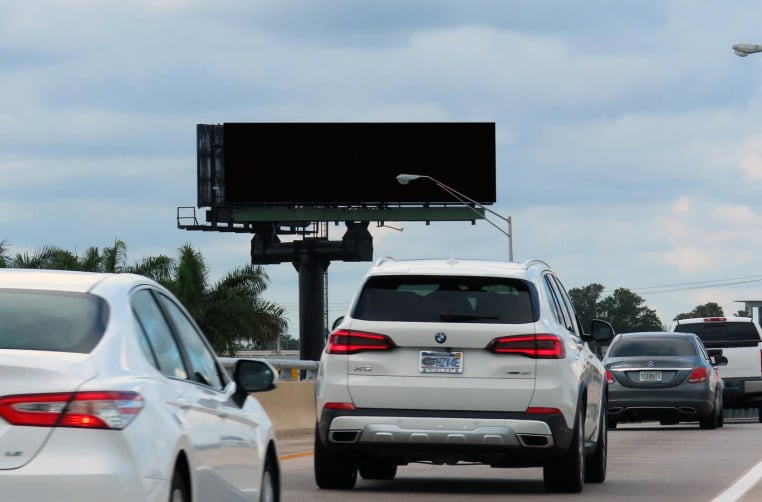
740,487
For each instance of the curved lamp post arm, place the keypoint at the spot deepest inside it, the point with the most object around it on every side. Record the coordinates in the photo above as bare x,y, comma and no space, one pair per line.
744,50
404,179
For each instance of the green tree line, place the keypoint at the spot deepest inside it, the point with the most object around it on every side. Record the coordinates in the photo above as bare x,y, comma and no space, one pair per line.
627,310
231,311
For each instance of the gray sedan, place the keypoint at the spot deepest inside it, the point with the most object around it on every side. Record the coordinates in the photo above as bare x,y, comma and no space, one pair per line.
664,376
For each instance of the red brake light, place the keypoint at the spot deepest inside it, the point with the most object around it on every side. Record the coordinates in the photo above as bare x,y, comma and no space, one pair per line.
609,377
715,319
346,341
543,410
339,406
698,375
540,346
92,410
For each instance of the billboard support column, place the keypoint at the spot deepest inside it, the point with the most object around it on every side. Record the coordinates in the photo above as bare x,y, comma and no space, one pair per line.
311,306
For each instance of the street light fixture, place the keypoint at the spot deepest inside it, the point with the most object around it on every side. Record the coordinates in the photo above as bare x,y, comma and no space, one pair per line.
404,179
744,50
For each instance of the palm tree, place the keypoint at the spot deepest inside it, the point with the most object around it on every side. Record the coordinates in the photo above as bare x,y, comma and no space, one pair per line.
5,258
44,257
232,311
159,268
114,259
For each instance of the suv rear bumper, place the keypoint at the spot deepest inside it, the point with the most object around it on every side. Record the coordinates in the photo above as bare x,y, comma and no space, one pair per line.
742,392
496,438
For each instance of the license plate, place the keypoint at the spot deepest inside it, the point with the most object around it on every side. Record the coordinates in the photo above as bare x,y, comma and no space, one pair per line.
650,376
441,362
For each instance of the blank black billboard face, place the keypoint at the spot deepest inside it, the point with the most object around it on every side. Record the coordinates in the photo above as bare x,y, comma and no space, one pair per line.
323,164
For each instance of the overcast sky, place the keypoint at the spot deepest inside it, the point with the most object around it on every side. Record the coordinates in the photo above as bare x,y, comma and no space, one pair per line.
629,135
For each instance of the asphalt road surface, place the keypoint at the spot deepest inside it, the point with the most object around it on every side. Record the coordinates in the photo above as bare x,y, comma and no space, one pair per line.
646,462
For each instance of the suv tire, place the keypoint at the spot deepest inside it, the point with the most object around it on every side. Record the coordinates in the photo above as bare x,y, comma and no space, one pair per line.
377,468
333,470
567,473
595,465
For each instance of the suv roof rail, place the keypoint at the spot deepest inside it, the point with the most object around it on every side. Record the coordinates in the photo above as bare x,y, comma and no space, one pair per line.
530,263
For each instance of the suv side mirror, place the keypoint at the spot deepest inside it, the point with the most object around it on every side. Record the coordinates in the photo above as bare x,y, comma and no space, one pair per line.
337,322
602,331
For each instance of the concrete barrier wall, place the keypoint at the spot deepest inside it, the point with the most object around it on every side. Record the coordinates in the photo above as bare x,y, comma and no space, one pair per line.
291,406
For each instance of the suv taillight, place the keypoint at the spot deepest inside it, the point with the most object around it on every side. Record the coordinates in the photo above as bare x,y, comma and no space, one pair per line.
540,346
347,341
89,410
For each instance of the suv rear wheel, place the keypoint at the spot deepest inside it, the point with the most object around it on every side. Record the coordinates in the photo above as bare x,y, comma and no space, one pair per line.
595,465
567,474
373,467
333,470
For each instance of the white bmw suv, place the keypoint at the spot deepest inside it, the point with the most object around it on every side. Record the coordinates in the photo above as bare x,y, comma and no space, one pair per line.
447,361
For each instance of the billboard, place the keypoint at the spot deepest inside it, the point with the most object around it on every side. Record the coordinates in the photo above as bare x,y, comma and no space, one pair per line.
314,164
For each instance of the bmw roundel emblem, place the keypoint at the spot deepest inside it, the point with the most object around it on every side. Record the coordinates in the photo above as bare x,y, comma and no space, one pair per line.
440,337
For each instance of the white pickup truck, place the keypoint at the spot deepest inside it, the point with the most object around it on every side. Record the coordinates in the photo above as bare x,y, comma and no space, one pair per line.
740,339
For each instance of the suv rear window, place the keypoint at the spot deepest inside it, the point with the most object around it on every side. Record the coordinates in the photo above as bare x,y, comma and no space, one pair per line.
447,299
719,334
53,321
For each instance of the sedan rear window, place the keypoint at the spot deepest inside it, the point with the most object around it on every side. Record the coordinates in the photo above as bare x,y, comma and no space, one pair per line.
51,321
652,347
446,299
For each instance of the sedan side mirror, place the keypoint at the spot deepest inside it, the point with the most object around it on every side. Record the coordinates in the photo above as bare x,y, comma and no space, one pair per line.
252,375
719,361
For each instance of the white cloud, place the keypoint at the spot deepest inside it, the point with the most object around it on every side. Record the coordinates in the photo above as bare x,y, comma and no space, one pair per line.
751,158
682,205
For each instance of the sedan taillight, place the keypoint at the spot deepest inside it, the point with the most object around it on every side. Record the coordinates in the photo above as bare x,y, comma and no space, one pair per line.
698,375
347,341
540,346
90,410
610,377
